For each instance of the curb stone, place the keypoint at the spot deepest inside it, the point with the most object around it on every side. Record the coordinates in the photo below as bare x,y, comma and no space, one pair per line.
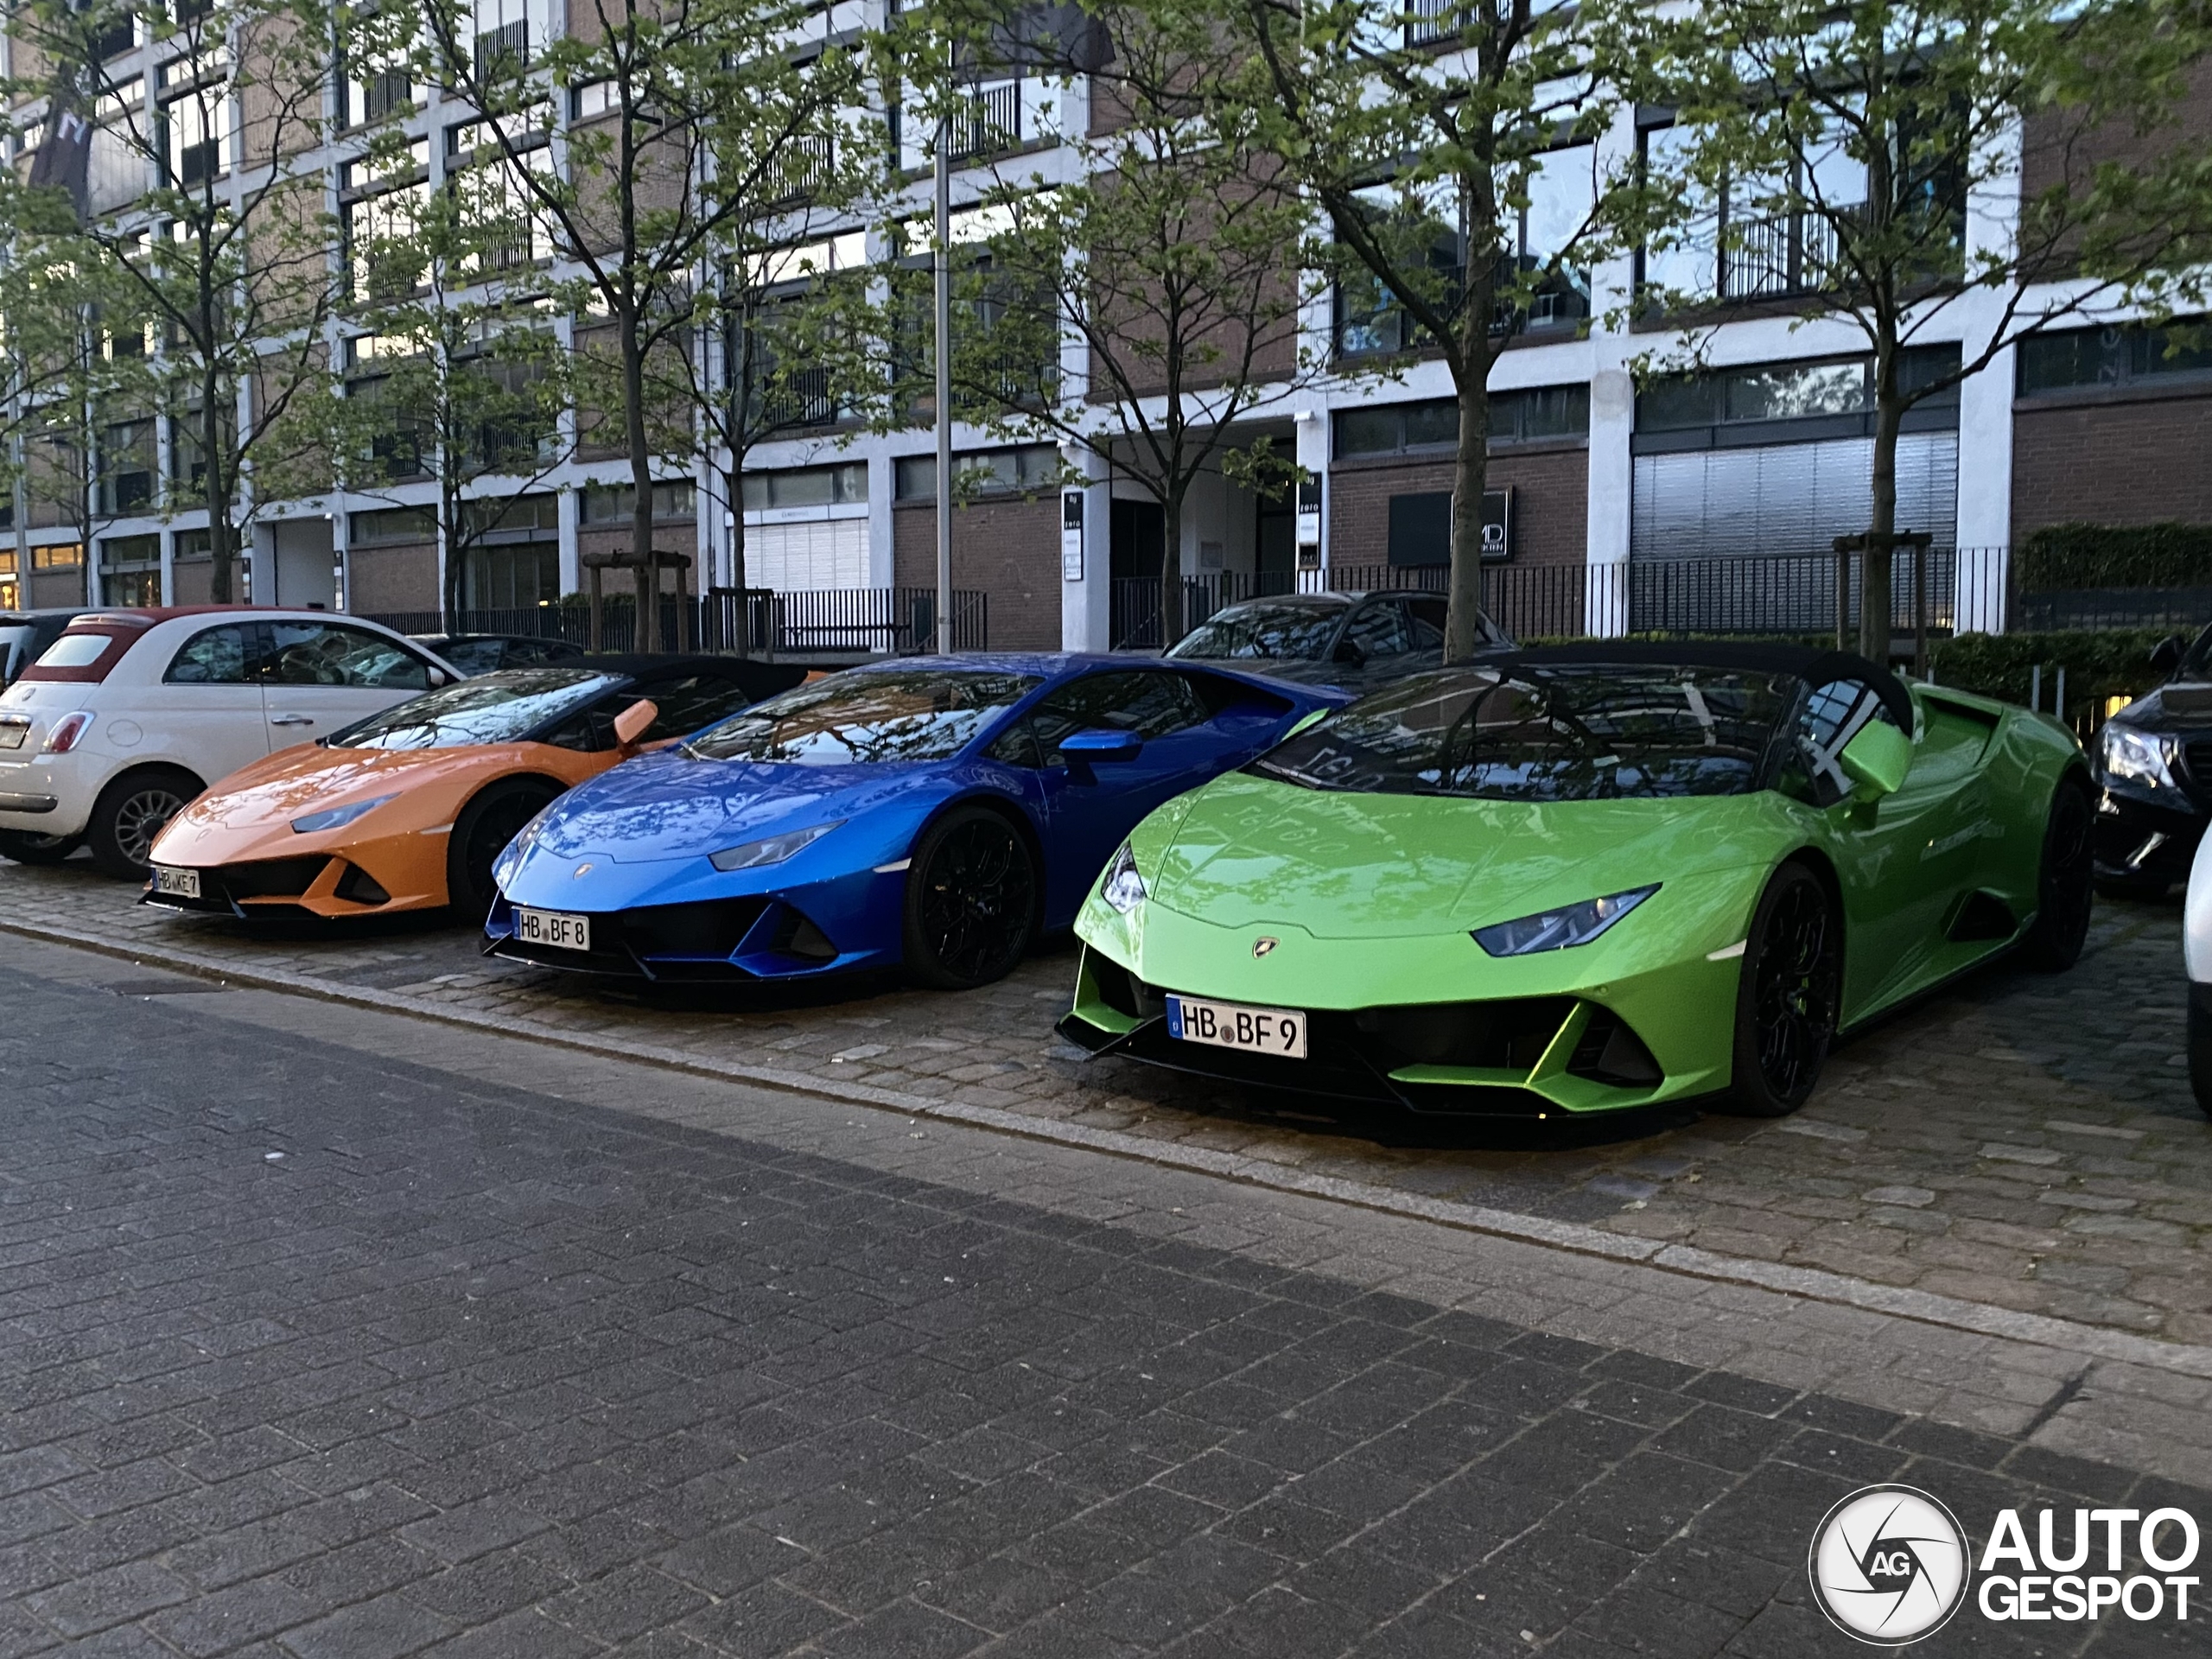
1809,1284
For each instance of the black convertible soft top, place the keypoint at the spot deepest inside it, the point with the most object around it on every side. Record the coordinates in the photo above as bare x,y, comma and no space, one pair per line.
1814,665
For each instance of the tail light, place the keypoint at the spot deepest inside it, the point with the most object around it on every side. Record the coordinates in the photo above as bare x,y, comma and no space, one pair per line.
67,732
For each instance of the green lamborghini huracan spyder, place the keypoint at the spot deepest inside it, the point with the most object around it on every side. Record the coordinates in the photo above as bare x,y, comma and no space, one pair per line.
1581,879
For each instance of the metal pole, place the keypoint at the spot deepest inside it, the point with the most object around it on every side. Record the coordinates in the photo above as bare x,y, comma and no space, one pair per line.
941,270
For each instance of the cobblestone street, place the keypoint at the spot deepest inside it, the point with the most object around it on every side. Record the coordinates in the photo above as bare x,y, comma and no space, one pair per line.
332,1333
2021,1142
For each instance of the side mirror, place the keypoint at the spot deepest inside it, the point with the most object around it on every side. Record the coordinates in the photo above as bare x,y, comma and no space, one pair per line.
1348,652
437,676
1102,743
2165,655
634,721
1876,760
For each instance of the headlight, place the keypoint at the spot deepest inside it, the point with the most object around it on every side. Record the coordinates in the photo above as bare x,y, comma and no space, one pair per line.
1555,930
336,817
2127,756
1121,887
771,850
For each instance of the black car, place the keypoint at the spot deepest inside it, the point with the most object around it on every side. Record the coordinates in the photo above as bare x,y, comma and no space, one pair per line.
2154,758
1354,641
24,635
480,653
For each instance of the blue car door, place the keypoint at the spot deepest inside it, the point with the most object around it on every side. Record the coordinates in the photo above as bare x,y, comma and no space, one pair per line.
1088,808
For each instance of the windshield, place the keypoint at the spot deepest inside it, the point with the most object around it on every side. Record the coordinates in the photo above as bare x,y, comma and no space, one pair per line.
1557,733
496,708
1286,633
909,715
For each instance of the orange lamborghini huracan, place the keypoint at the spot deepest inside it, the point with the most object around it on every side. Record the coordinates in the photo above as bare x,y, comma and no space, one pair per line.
406,809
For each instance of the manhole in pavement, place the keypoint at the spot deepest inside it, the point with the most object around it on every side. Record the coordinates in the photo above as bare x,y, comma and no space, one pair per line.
164,987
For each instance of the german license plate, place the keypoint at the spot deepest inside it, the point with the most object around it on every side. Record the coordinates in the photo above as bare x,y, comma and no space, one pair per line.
13,732
176,884
1280,1031
557,928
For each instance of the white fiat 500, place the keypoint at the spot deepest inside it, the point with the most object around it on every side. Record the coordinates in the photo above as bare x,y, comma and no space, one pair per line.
2196,959
129,714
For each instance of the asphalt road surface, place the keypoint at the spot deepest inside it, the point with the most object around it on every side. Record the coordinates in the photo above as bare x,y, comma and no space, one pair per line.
331,1333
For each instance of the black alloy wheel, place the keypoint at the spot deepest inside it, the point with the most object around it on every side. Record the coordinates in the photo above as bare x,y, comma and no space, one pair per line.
1788,997
481,833
971,900
26,848
2067,886
131,815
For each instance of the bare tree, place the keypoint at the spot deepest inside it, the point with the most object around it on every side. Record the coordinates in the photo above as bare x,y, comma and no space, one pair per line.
681,119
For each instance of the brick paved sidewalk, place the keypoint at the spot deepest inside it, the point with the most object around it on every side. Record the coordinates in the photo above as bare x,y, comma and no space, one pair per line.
309,1350
2022,1143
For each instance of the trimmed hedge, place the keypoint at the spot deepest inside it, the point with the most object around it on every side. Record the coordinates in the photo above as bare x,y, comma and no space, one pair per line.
2060,557
2098,665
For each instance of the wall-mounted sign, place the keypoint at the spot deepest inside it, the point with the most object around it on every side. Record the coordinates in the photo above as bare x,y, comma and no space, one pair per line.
1421,526
1071,535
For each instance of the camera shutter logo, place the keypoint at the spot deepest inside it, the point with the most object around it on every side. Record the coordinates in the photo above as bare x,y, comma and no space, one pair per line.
1888,1565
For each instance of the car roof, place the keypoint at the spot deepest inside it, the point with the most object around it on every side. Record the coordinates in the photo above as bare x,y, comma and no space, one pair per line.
1331,601
1815,665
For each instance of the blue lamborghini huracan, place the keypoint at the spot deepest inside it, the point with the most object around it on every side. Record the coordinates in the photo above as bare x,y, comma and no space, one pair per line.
931,813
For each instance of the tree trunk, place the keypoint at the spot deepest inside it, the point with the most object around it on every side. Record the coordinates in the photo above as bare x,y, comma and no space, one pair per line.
1463,632
221,547
1171,571
733,492
449,530
1882,524
647,632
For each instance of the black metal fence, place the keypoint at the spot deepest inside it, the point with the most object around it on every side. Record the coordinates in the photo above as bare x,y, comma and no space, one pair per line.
1931,590
830,622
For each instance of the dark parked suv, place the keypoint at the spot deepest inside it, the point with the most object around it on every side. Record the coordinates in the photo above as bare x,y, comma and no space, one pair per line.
2154,758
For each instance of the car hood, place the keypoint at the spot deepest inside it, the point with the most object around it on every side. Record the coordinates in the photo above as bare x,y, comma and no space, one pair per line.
669,806
2182,706
1252,849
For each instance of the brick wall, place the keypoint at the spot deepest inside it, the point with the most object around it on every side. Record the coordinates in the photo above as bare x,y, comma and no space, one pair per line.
2139,460
1551,503
56,587
1011,549
384,578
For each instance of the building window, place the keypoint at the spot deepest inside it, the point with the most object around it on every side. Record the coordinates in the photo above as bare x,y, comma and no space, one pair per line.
392,524
1744,241
1762,403
2121,356
604,505
1561,188
807,486
130,570
377,94
1000,472
511,513
382,245
58,556
127,466
1540,415
512,576
197,124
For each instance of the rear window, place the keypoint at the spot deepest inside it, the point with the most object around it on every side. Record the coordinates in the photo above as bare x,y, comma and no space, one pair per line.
83,655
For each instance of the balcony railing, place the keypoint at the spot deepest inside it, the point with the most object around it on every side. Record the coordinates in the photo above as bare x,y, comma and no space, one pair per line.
1430,22
502,51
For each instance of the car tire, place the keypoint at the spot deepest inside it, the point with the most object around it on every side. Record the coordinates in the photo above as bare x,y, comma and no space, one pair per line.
491,819
1787,996
2200,1049
26,848
131,813
2065,883
971,900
